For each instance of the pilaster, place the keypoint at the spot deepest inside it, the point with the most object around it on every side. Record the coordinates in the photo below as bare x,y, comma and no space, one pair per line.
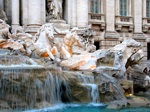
2,4
82,13
35,15
73,13
138,20
138,16
110,19
15,16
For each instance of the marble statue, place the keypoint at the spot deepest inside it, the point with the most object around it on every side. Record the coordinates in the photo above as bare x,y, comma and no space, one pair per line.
70,38
54,10
42,43
6,38
114,58
4,29
87,35
3,15
72,42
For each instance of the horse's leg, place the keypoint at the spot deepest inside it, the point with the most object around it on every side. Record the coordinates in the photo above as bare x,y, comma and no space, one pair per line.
28,51
65,52
54,50
49,53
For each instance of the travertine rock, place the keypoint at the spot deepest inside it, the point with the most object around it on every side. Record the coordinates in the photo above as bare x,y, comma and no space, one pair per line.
43,104
80,62
116,57
12,45
135,101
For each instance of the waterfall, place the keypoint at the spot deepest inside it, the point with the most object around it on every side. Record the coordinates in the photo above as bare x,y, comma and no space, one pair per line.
24,84
93,92
89,82
52,89
22,89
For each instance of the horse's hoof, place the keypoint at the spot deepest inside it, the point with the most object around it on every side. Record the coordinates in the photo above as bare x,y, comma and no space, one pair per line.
57,60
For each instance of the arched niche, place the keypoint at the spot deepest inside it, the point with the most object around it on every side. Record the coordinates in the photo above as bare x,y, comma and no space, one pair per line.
64,7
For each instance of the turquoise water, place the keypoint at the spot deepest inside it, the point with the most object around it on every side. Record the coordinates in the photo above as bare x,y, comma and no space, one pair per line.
89,108
99,109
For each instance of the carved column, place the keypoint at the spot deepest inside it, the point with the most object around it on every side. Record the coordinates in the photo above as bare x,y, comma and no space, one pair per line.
144,8
145,27
16,16
25,12
117,7
110,14
110,19
138,16
102,6
82,13
111,37
15,12
35,15
73,13
130,8
2,4
34,9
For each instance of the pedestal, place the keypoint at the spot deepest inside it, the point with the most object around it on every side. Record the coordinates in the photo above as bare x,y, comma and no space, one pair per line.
60,24
32,29
111,35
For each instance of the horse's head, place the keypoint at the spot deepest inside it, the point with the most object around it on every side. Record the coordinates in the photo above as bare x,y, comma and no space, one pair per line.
49,30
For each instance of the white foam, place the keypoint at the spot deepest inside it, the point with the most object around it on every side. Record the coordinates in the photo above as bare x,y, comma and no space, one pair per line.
62,106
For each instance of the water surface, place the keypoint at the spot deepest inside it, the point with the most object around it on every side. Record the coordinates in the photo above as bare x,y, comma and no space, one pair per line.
88,108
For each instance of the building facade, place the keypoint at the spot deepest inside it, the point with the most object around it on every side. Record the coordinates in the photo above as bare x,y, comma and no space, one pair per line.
112,20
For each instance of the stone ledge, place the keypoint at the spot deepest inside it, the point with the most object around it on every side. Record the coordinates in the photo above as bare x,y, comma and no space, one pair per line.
32,28
111,35
139,36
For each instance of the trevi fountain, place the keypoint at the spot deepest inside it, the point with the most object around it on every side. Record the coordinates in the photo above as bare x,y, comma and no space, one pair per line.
60,70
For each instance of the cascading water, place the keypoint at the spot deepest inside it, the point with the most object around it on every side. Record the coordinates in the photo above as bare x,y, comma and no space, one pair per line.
22,89
25,85
52,89
89,82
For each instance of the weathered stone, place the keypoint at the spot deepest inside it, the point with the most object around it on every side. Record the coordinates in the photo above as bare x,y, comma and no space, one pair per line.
12,45
110,88
135,101
78,91
117,104
41,105
127,86
116,57
4,105
80,62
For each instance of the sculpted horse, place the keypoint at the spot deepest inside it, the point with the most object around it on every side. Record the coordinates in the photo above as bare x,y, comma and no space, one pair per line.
43,46
68,41
71,40
42,43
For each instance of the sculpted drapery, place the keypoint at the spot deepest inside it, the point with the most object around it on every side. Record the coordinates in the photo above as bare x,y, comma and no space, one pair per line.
54,9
